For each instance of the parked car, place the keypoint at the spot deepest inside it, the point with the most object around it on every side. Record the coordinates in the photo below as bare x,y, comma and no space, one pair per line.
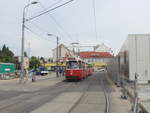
42,71
39,71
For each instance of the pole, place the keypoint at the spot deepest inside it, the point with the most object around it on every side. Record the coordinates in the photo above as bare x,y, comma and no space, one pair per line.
78,52
57,57
135,109
29,50
22,47
57,43
22,41
118,74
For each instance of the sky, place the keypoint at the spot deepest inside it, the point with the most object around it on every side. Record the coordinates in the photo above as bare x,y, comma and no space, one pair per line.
115,19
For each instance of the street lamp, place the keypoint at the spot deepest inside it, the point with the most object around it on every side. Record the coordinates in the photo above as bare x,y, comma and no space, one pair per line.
57,38
74,43
35,2
22,41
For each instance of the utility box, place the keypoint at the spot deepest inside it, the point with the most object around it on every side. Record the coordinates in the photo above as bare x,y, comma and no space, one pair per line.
7,68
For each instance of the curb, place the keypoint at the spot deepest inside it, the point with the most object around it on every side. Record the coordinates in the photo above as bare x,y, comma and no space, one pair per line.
143,109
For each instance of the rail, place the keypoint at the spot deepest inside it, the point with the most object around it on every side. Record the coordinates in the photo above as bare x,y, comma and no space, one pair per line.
78,101
106,93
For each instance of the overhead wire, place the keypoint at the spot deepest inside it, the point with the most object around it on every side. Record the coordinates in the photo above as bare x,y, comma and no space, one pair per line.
41,29
36,33
38,27
52,18
95,27
38,36
34,25
31,18
58,24
52,5
45,9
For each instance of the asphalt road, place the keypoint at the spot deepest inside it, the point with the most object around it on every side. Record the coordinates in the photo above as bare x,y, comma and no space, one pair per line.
93,100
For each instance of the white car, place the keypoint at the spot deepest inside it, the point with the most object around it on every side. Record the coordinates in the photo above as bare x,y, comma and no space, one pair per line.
44,72
102,69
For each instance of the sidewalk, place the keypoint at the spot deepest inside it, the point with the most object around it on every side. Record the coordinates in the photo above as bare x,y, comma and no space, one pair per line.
118,105
29,86
143,94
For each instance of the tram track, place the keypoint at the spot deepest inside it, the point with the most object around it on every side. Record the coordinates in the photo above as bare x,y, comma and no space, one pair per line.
103,82
78,101
24,103
107,96
85,88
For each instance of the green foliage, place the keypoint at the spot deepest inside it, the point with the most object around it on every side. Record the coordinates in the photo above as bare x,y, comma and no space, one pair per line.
6,55
43,61
34,62
25,54
50,60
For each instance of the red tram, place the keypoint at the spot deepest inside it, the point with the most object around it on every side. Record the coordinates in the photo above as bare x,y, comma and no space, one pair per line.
76,69
90,69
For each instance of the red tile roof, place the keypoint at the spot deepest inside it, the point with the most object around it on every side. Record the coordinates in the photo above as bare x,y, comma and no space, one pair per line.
95,55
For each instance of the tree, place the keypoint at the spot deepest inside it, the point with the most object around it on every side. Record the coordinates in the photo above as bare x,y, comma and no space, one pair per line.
4,48
25,54
6,55
43,60
50,60
34,62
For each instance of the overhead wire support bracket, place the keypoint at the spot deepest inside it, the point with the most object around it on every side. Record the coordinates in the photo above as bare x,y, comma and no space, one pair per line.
48,11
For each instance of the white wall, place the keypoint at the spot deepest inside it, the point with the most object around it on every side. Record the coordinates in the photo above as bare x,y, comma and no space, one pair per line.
137,47
139,55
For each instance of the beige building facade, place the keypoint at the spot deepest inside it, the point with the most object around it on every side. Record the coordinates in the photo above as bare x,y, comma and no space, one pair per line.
63,53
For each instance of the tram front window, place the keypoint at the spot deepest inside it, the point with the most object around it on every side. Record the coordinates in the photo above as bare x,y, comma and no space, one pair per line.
72,65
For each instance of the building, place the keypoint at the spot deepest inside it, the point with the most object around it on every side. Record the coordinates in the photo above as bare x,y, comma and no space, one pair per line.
18,62
134,58
96,57
63,53
102,48
99,57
